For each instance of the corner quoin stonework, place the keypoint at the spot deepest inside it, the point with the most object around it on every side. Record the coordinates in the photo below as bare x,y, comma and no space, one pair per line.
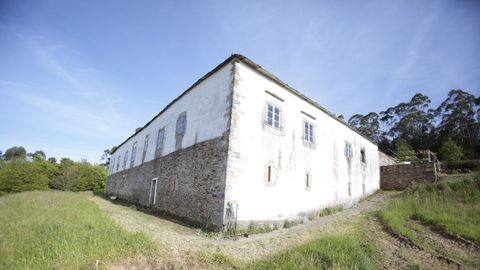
191,182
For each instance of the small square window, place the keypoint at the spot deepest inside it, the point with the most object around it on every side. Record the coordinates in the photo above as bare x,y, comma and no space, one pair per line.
308,132
273,116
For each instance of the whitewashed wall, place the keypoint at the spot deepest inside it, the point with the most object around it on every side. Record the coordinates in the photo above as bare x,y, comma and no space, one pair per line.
253,145
207,107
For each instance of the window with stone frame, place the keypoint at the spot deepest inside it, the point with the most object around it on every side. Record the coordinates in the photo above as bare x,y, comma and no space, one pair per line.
125,159
134,153
180,129
160,143
273,116
308,132
118,161
348,150
308,181
145,147
363,157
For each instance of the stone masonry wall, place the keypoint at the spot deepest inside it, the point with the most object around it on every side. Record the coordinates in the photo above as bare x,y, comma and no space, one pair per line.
399,177
191,182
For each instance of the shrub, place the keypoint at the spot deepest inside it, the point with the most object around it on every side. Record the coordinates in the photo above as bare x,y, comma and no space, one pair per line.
19,175
461,166
450,151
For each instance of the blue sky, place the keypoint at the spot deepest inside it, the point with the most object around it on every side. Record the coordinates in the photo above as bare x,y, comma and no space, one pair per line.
77,77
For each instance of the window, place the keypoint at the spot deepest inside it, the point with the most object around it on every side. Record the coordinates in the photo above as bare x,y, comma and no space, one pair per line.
118,161
273,116
348,150
134,153
160,142
270,175
145,147
125,158
180,129
308,181
308,132
112,165
362,156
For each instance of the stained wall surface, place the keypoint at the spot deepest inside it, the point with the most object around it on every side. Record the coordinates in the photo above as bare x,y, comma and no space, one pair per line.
254,146
190,172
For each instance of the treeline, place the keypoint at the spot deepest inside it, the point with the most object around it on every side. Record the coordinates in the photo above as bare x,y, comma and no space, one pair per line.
452,129
22,171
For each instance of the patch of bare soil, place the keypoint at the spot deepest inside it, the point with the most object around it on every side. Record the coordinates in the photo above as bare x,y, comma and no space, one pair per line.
433,251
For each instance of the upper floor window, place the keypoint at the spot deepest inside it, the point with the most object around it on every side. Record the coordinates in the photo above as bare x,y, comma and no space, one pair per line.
134,153
125,158
118,162
363,158
348,150
112,165
273,116
145,147
160,142
308,132
180,129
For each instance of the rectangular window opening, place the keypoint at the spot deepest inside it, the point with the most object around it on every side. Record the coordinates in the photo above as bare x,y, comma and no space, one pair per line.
273,116
362,156
308,134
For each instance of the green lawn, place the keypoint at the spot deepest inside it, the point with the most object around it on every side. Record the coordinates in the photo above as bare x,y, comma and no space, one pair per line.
452,206
58,230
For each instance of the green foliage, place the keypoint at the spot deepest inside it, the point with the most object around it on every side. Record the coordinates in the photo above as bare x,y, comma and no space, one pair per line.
78,176
450,151
403,151
18,175
452,206
461,166
353,251
61,230
423,127
330,211
15,153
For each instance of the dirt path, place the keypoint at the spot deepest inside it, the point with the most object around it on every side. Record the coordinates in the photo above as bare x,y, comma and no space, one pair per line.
432,251
184,239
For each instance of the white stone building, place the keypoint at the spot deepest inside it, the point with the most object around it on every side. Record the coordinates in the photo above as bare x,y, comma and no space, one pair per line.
241,135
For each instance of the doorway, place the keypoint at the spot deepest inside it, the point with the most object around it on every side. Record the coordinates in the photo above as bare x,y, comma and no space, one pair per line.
153,192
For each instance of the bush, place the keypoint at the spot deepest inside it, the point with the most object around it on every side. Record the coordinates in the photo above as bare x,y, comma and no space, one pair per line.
450,151
19,175
79,176
461,166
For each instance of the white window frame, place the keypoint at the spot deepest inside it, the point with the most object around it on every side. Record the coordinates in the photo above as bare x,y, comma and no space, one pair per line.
348,151
273,116
308,131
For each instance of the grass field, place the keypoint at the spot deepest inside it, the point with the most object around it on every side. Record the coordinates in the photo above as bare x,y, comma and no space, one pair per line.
61,230
452,206
353,251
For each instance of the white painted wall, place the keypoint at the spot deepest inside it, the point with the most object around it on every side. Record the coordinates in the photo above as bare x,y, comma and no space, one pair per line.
207,107
254,145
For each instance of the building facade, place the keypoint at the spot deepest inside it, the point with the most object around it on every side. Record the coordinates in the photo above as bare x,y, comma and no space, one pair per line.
239,136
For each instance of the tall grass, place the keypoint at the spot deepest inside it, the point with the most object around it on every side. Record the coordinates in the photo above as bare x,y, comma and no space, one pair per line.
58,230
452,206
352,251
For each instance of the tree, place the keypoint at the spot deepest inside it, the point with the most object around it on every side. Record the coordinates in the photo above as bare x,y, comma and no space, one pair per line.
459,117
52,160
19,175
39,154
15,153
411,121
368,125
403,151
107,154
450,151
